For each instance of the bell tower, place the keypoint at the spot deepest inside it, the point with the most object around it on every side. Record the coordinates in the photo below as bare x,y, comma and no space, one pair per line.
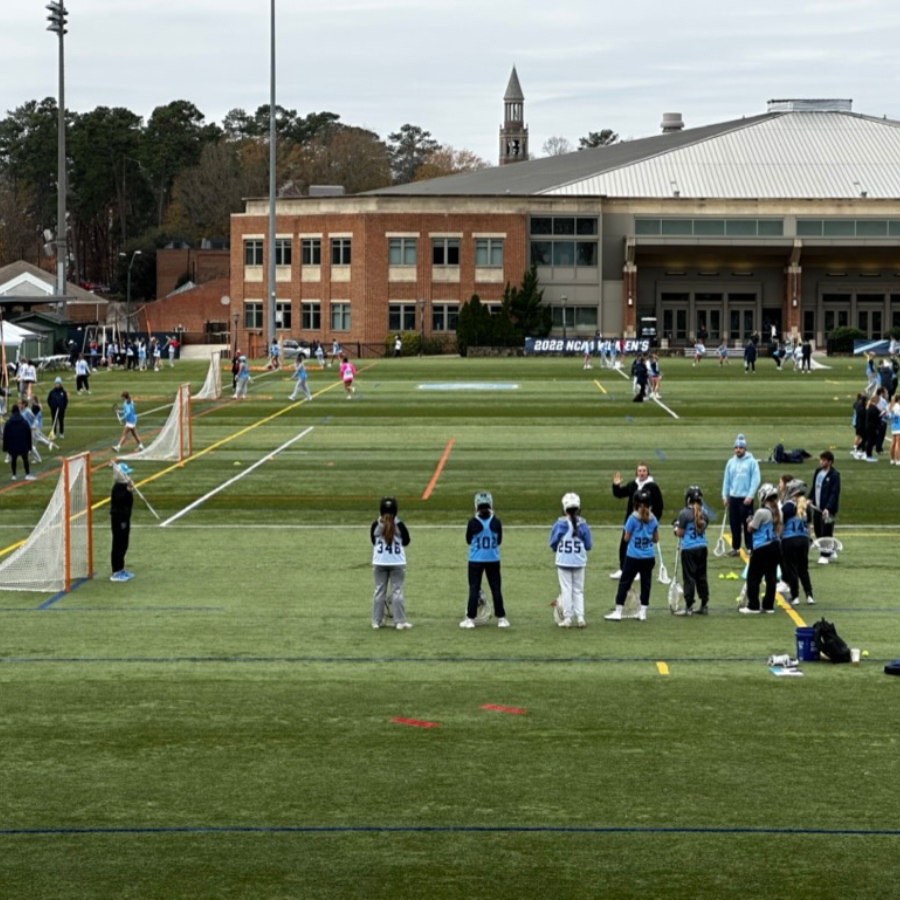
513,132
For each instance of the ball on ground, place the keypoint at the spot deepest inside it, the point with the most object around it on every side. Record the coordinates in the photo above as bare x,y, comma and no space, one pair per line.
237,462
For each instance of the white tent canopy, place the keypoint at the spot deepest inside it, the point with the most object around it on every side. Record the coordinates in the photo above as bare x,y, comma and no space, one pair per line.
14,335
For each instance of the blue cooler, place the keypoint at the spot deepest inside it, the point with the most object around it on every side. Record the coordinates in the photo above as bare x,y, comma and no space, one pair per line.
806,646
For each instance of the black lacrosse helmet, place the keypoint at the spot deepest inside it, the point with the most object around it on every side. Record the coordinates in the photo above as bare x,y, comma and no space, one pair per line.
388,506
642,497
693,495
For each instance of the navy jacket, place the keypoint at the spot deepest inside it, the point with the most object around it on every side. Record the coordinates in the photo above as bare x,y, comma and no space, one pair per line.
831,491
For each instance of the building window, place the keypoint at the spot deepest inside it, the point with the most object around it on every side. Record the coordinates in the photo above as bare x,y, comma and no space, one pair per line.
282,251
340,316
576,316
253,314
340,251
547,251
401,251
311,315
489,253
710,227
253,252
283,315
402,316
445,251
311,251
444,316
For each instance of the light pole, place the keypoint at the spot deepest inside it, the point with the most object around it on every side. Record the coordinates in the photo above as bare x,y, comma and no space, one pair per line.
422,326
270,311
57,19
564,298
128,290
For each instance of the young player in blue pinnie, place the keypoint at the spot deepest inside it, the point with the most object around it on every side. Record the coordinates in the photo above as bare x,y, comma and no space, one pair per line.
300,378
570,539
690,527
765,529
641,534
484,534
795,515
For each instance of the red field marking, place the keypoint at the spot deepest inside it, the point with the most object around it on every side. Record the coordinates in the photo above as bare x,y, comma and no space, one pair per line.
437,471
415,722
515,710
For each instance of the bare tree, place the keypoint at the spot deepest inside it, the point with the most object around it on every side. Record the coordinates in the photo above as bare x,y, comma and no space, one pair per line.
557,146
445,160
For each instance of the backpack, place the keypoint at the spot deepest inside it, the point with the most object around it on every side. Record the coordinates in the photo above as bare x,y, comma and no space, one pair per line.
830,645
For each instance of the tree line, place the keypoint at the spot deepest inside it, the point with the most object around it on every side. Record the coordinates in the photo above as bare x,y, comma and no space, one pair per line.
139,185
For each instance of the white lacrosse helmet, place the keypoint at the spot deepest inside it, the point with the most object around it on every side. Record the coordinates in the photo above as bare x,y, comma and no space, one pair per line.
571,501
796,487
483,498
766,492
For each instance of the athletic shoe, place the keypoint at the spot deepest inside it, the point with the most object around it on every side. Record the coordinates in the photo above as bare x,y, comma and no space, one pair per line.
116,447
582,623
13,477
687,611
795,601
746,611
616,574
467,623
615,615
62,437
376,626
140,446
642,614
30,478
811,601
403,626
129,574
566,623
769,612
704,610
782,587
733,552
871,459
823,560
119,576
503,623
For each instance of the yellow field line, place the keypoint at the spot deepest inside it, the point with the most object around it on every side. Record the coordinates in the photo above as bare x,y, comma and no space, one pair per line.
602,389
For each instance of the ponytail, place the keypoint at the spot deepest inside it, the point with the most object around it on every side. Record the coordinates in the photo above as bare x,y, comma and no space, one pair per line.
699,524
387,527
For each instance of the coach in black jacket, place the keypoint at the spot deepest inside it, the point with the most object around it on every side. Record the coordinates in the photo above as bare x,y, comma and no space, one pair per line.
643,480
17,441
826,496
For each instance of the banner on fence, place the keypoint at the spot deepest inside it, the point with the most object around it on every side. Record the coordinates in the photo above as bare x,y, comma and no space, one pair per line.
631,346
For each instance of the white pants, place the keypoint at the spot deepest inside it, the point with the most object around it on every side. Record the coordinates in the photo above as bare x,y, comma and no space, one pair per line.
571,590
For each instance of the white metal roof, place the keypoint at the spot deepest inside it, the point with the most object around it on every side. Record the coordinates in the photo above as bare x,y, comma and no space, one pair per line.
808,155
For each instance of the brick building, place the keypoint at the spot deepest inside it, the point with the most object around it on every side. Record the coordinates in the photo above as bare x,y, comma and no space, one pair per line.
789,219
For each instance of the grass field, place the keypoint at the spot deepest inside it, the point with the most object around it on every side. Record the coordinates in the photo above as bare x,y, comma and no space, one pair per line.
223,726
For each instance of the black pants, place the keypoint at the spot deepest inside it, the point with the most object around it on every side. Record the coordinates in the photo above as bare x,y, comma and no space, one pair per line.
763,565
121,531
795,565
492,570
58,420
738,514
632,568
82,382
13,457
693,565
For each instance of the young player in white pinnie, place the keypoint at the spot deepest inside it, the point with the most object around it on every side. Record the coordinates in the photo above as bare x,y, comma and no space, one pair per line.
570,539
390,538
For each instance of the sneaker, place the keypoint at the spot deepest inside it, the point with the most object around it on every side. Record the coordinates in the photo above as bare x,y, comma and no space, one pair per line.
140,446
687,611
615,615
467,623
871,459
116,447
13,477
503,622
582,623
119,576
566,623
642,614
30,478
129,574
811,601
703,611
823,560
733,552
769,612
795,601
403,626
616,574
746,611
376,626
782,588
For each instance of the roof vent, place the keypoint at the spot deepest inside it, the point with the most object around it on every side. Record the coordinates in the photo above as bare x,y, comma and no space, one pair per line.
326,190
810,106
672,122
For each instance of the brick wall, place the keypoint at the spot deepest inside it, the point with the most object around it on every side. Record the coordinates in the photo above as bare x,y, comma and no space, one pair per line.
191,310
202,266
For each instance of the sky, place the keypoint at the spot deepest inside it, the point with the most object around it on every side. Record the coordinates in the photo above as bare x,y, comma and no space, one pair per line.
444,66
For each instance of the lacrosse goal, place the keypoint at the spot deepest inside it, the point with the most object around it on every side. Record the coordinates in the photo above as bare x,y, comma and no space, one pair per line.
174,441
58,551
212,387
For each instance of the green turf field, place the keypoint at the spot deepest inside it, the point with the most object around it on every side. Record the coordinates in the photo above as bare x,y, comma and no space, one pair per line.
223,726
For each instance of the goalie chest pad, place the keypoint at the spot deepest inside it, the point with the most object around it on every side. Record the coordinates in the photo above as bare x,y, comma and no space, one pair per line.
829,643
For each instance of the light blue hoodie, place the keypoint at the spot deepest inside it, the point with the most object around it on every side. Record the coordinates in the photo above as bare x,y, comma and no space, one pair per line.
742,477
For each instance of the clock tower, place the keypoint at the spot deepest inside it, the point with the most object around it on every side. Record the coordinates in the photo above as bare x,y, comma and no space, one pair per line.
514,132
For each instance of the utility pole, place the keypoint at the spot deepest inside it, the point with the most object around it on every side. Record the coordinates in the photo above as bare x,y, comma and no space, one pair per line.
57,19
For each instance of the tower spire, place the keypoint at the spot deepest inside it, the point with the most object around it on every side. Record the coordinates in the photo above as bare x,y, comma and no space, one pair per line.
513,132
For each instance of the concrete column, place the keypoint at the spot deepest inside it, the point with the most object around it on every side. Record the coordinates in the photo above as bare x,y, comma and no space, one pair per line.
793,284
630,299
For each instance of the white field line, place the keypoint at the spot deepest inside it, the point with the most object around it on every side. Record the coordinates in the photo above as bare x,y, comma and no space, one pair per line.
654,399
238,477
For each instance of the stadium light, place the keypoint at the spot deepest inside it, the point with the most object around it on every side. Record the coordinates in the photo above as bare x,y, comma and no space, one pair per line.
57,20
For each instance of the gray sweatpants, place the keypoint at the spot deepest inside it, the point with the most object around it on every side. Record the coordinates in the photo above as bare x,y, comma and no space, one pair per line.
396,575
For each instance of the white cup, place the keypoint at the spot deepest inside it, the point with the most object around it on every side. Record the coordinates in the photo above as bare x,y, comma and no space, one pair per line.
854,655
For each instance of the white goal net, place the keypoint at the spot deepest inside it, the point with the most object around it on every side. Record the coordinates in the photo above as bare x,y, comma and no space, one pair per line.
174,441
58,552
212,387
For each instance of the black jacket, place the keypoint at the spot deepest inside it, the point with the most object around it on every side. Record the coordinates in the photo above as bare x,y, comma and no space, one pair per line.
629,490
58,399
17,436
121,500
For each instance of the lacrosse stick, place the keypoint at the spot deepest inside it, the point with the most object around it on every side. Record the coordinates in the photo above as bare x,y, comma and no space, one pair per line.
388,612
556,608
53,426
485,610
120,413
676,592
721,549
663,576
632,604
118,470
828,546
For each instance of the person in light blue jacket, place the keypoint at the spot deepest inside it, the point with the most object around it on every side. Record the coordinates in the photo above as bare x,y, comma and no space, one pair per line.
570,540
739,485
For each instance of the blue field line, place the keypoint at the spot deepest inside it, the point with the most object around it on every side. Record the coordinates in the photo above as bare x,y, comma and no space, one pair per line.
450,829
57,597
353,660
104,609
660,454
629,420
